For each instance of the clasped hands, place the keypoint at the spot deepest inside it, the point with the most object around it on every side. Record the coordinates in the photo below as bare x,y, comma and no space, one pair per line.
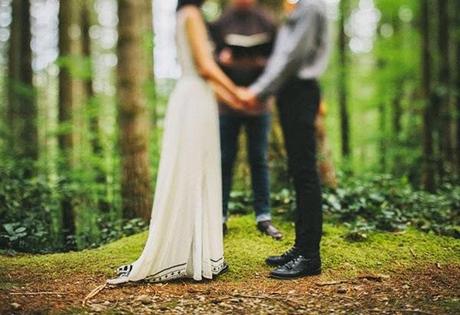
248,100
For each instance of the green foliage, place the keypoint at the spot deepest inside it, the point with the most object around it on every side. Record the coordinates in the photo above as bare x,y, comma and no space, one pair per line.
282,202
77,66
381,202
377,202
30,210
112,231
26,206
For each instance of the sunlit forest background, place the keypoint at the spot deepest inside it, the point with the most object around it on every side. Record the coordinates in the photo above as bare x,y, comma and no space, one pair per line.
84,85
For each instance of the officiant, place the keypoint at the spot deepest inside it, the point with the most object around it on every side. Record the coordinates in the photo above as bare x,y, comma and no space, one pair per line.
244,36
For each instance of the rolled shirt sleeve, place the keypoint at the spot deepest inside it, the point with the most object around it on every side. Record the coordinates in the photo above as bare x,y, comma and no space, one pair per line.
296,39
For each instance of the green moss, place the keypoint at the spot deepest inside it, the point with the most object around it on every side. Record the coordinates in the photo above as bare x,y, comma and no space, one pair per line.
246,249
451,305
387,251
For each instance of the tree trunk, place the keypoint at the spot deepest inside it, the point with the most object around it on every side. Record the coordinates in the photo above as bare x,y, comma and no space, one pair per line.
132,109
68,48
22,108
93,106
457,100
457,94
397,111
88,85
343,82
148,34
383,136
428,173
382,117
444,132
326,167
445,107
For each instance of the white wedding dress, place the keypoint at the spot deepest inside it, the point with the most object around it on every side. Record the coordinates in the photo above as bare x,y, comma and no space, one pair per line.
185,238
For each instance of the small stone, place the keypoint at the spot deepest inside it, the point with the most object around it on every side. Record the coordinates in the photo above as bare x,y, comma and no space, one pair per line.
16,306
342,290
98,308
144,299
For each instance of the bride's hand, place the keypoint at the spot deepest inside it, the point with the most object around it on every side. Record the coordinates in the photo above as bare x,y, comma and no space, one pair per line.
248,98
235,103
231,99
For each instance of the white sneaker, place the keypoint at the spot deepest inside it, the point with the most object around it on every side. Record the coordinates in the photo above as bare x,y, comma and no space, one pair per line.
122,275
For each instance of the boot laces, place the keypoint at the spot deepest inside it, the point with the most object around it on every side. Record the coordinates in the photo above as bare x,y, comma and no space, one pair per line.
290,252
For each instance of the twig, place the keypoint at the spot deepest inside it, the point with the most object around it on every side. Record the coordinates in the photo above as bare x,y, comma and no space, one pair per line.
93,293
413,311
254,296
261,297
37,293
327,283
378,278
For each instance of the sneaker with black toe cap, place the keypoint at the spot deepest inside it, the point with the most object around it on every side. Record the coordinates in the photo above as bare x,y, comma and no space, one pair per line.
298,267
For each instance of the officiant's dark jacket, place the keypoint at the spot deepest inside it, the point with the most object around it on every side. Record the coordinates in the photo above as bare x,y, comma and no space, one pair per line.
254,21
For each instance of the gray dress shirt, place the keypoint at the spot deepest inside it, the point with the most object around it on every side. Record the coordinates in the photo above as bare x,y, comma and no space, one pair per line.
301,49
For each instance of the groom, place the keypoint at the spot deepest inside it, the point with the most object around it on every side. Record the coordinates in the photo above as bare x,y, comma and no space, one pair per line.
300,57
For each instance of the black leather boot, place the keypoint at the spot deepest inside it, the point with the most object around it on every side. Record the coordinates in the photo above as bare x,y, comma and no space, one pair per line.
297,268
283,258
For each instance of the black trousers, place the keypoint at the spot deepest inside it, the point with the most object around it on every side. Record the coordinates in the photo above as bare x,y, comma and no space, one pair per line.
298,105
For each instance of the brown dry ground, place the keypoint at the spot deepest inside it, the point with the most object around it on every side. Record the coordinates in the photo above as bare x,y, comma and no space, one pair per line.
424,290
406,273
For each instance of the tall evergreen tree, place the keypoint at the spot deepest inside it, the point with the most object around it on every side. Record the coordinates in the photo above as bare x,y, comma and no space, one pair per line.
69,93
132,107
444,124
343,81
22,107
93,106
428,171
456,64
86,22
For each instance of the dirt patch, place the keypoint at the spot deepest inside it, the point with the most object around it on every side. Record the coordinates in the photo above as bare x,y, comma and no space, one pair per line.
422,290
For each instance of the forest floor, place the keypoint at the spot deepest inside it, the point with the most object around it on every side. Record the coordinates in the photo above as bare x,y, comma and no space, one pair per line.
389,273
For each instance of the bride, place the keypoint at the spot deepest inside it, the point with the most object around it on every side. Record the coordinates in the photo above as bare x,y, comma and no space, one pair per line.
185,238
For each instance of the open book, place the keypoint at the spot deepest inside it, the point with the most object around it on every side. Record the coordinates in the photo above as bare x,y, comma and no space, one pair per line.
247,41
249,45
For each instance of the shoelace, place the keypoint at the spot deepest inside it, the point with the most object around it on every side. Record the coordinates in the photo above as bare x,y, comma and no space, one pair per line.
289,252
289,265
